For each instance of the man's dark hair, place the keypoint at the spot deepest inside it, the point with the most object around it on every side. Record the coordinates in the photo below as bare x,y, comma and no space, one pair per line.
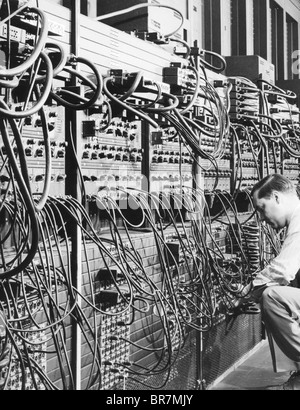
271,183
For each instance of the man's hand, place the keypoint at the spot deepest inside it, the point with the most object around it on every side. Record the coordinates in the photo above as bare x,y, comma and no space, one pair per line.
242,295
244,303
257,293
245,291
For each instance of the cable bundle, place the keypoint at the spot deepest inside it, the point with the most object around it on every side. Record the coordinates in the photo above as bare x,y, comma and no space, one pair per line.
134,302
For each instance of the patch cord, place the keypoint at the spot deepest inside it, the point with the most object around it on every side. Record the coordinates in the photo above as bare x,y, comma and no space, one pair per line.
184,247
32,379
139,6
274,101
30,71
115,353
151,349
244,99
209,94
175,300
173,291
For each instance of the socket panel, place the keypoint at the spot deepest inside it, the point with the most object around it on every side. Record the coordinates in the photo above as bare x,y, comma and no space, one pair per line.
36,343
15,372
111,161
34,148
16,34
171,170
115,350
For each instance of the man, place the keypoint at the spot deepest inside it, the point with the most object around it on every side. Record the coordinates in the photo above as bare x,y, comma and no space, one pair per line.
277,202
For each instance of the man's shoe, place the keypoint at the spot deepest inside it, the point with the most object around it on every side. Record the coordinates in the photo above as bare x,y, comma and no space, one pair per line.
292,384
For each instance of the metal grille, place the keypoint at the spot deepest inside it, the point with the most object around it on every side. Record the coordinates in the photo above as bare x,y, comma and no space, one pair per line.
183,375
227,343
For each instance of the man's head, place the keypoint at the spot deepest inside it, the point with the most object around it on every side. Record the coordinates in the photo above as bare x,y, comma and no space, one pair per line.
275,198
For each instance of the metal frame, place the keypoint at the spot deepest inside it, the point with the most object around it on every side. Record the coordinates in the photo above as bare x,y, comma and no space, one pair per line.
73,189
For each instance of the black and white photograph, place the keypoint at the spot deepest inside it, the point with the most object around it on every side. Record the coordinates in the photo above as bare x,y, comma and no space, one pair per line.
149,198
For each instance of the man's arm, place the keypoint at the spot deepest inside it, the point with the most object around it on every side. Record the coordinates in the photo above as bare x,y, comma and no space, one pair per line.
282,269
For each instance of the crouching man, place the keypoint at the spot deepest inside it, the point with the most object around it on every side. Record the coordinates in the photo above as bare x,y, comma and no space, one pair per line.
277,202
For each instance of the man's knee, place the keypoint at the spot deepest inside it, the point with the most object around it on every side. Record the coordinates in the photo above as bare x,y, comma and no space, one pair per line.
270,297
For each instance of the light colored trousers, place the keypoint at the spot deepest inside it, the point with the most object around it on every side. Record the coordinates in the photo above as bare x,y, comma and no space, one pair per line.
281,315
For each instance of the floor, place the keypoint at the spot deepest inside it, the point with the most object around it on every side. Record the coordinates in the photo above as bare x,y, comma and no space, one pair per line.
256,372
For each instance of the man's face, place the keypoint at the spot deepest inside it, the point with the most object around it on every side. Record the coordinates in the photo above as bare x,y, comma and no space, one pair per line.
271,210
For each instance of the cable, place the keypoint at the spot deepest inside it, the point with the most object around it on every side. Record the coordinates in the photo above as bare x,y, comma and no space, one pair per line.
210,66
13,72
64,58
11,271
139,6
86,103
43,97
18,11
124,105
195,274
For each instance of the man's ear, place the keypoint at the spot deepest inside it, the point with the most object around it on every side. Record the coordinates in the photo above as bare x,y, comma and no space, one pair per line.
276,196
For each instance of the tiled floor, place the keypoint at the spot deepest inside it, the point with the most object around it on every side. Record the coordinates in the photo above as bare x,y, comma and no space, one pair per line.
256,373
